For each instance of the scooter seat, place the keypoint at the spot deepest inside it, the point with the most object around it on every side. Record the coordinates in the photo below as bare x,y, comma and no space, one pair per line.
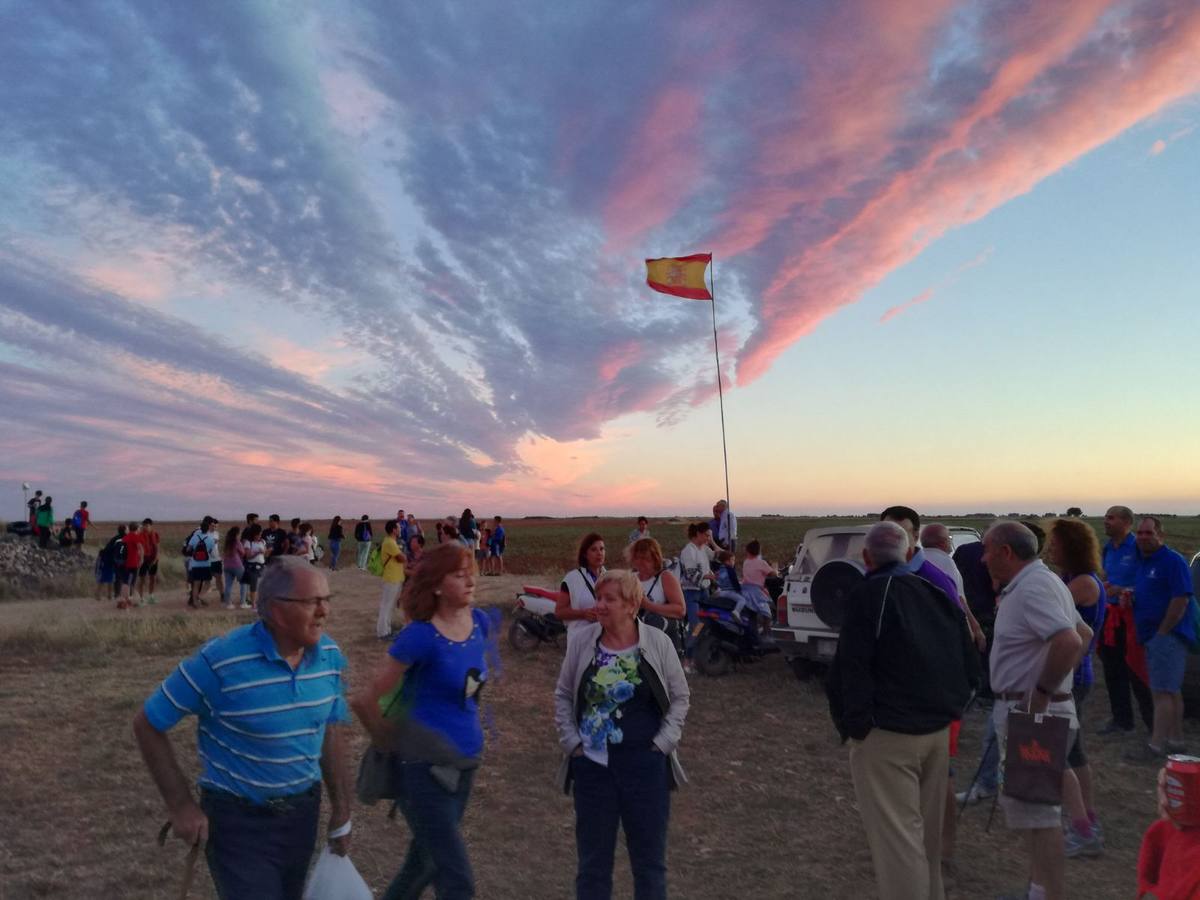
539,591
719,602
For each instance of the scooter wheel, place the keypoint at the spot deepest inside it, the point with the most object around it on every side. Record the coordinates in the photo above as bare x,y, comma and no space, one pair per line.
520,638
711,658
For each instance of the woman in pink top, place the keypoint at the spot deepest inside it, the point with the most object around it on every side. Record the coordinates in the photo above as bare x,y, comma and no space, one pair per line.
233,565
756,569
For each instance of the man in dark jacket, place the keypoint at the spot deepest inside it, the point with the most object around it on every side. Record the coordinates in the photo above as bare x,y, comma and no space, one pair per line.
905,668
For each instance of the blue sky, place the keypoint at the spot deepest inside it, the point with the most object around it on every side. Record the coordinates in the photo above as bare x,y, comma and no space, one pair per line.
339,258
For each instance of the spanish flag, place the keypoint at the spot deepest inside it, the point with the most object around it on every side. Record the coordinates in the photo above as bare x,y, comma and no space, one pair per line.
682,276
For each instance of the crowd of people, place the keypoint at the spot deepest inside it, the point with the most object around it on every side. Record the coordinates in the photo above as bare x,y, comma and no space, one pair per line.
914,650
1009,622
48,531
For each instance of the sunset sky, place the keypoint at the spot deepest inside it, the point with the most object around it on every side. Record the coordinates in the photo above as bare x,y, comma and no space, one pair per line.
323,258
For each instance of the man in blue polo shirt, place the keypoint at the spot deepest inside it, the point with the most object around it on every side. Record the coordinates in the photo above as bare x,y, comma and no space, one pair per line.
1161,605
266,696
1122,674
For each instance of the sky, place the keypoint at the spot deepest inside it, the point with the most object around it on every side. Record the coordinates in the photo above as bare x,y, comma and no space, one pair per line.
321,258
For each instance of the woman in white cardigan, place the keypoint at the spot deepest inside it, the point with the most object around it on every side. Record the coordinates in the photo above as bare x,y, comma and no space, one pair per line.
619,705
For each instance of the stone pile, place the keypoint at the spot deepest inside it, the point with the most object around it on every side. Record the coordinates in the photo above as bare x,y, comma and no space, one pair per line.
22,560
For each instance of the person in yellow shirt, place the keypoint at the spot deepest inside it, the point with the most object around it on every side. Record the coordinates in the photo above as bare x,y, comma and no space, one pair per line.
393,580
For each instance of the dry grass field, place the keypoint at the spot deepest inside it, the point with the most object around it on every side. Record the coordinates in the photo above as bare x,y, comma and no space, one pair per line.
769,813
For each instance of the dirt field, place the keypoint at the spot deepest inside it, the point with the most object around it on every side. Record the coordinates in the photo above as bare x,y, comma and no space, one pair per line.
769,813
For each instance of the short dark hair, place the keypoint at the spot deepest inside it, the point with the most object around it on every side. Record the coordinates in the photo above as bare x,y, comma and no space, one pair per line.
1158,529
754,548
901,514
147,521
83,504
389,526
498,520
274,517
692,530
363,518
206,523
702,527
295,523
643,519
1038,532
585,545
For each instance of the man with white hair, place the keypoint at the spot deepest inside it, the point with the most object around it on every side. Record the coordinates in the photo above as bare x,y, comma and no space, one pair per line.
725,526
905,668
266,696
1036,644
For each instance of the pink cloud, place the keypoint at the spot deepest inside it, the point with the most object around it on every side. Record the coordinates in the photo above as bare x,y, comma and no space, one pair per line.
661,167
928,294
995,151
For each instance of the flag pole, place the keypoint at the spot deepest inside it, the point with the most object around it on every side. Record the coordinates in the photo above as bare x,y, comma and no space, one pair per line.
712,281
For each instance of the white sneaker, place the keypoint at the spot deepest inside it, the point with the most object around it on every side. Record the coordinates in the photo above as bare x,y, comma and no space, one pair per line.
245,605
975,794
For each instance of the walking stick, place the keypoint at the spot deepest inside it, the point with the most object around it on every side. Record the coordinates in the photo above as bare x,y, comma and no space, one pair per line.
189,871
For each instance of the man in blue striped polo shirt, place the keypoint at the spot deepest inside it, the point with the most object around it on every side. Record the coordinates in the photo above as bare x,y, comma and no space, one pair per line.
270,700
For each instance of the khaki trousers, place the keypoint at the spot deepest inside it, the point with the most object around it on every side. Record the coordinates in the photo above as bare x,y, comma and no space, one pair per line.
900,783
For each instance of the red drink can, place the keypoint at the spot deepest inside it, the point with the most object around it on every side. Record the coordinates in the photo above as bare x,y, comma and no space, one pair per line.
1182,787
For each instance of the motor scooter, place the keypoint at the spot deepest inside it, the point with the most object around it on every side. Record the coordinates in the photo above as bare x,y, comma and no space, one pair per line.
724,640
534,622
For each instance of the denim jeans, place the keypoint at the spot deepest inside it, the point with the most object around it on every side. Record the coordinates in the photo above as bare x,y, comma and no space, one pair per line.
691,599
233,577
436,854
335,550
364,550
633,790
257,853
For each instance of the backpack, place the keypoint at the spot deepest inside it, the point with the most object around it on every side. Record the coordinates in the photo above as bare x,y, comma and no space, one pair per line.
200,551
375,561
120,553
186,549
77,519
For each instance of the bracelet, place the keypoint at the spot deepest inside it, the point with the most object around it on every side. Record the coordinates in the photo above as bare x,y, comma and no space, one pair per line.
341,831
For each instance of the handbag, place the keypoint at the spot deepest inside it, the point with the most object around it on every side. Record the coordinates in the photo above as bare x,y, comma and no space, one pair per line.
379,770
1035,756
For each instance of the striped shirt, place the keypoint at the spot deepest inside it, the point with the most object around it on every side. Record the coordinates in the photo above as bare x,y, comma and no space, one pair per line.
261,723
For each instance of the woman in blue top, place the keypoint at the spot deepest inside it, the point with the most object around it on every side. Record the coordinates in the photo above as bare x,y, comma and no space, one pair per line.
1073,549
428,688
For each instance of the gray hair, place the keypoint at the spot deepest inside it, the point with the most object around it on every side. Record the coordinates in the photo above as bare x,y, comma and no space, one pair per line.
278,580
1021,540
935,534
887,543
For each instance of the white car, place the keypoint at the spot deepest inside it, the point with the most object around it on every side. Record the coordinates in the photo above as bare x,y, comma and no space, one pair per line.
809,612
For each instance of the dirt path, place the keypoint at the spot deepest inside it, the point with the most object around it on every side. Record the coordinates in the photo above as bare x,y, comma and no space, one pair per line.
769,812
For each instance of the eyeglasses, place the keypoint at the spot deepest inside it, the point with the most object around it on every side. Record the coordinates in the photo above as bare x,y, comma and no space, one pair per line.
311,602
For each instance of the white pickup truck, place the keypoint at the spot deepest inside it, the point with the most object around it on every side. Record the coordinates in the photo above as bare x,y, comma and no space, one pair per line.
827,566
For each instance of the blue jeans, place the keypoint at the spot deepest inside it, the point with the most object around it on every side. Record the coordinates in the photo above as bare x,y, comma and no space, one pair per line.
364,550
335,550
633,790
436,855
691,599
233,577
258,853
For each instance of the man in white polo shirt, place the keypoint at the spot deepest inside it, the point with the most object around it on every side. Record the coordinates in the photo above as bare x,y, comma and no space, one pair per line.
1036,645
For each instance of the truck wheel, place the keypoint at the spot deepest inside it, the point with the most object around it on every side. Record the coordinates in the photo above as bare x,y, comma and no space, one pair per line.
711,658
520,638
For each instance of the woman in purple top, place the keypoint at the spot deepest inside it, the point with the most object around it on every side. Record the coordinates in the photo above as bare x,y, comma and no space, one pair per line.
1073,549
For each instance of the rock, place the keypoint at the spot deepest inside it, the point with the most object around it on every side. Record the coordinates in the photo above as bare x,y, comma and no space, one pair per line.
22,560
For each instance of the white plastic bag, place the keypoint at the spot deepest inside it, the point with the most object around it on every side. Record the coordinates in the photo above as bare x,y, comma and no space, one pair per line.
335,878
